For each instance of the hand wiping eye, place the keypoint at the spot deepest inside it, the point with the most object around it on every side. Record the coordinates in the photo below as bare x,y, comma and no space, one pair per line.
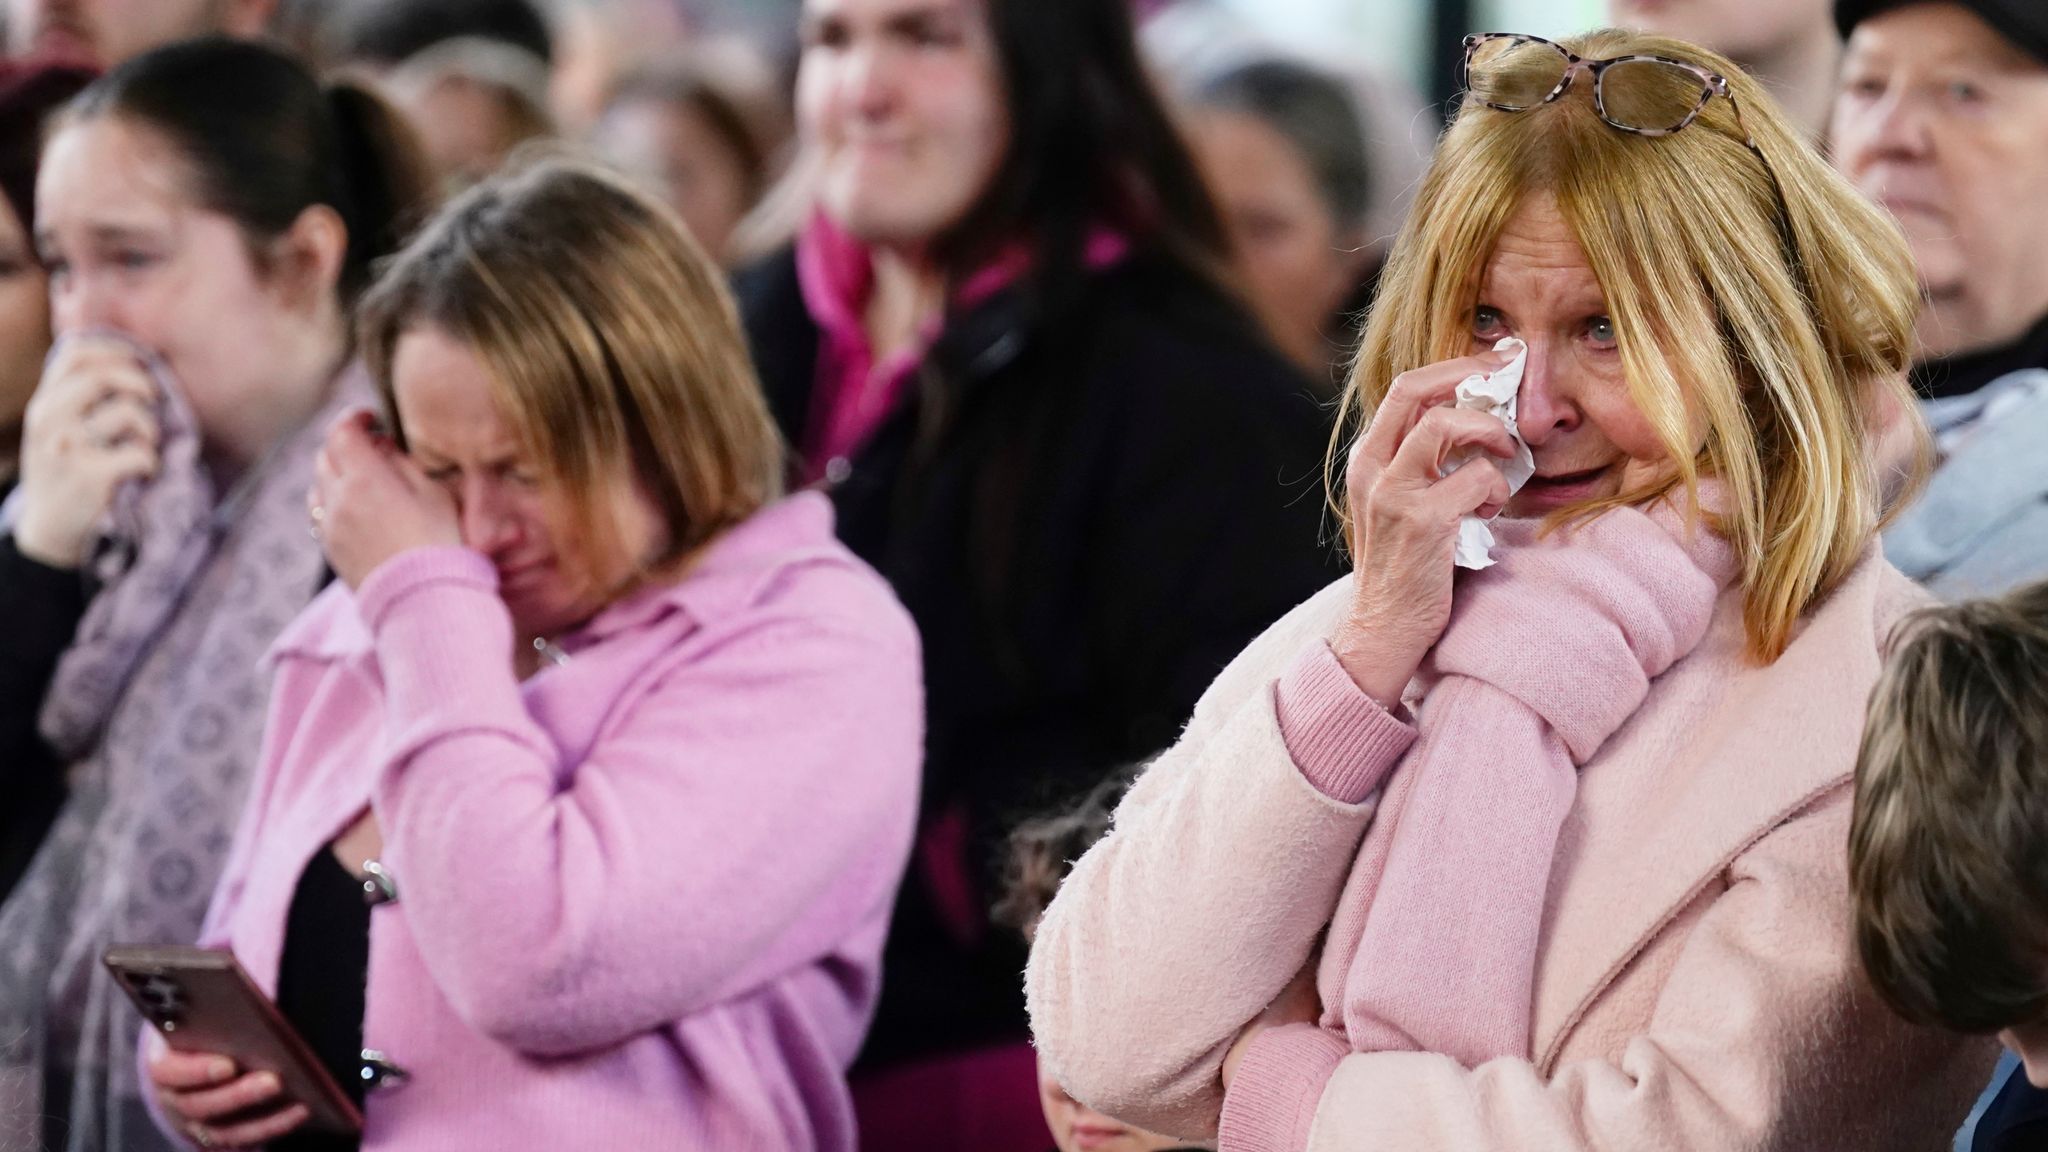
1494,393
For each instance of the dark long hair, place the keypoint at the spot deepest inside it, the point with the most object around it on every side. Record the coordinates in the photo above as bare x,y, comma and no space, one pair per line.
1091,143
263,141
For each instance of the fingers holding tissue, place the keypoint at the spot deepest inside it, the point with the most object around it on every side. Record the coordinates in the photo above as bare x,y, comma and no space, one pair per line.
1495,394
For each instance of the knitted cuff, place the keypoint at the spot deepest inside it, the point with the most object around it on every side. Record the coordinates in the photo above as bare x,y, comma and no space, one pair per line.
1342,740
1271,1103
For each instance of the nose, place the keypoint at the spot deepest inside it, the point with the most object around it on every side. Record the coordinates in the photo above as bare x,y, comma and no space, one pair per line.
80,302
490,523
1544,408
1894,128
868,84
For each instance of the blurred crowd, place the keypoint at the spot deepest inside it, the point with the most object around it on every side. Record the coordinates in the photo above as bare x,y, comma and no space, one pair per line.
871,426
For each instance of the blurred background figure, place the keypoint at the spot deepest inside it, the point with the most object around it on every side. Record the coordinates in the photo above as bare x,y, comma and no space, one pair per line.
28,94
102,33
1284,153
1191,43
207,212
472,75
1006,341
474,102
1790,45
1942,116
379,35
675,129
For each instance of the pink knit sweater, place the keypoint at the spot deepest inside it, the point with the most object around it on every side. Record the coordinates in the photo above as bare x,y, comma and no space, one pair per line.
1693,983
1546,655
642,894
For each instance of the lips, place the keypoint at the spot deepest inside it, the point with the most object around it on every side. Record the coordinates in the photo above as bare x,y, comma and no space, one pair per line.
522,574
1560,488
1093,1136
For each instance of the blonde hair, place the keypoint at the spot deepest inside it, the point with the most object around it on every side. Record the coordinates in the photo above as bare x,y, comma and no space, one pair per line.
1948,839
1789,339
614,348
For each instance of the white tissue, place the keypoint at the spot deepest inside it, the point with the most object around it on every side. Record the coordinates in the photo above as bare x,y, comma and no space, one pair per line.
1495,395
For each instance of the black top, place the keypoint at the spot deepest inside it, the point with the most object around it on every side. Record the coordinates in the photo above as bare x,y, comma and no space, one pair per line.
1087,516
320,983
2016,1120
40,608
1961,375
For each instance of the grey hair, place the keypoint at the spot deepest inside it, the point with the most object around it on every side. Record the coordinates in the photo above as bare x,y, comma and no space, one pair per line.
1314,112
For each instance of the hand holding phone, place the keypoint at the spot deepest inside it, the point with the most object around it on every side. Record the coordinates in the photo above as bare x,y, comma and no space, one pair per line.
228,1066
218,1105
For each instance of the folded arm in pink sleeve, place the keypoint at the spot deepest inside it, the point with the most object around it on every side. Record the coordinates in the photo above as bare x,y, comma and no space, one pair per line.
740,817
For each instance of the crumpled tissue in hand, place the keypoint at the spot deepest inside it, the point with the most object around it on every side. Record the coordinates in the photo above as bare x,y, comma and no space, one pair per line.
1494,394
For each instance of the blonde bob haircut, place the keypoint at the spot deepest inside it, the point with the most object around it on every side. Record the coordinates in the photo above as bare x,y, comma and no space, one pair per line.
614,348
1787,339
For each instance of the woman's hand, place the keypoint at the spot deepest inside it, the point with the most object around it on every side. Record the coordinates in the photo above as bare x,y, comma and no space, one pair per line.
216,1105
1296,1004
369,503
1404,520
90,427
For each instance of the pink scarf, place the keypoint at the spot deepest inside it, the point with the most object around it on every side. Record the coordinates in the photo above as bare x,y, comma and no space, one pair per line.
1547,654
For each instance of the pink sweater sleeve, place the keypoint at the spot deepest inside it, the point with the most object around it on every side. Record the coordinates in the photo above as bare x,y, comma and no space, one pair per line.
1547,654
703,846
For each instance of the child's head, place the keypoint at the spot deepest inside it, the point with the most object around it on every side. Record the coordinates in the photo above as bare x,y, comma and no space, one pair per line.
1948,846
1041,853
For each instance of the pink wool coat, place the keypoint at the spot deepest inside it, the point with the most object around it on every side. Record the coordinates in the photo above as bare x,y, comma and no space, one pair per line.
1695,986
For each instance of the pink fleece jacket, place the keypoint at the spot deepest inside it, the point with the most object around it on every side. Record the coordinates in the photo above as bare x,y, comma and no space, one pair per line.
1546,655
642,895
1694,985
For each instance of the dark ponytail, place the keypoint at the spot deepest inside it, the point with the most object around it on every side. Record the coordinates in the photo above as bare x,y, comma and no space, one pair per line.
262,141
391,185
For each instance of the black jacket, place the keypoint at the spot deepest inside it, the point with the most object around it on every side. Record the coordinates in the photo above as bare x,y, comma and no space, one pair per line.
40,608
1088,516
1960,375
2016,1121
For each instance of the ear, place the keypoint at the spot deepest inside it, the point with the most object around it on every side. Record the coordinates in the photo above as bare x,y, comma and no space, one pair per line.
308,258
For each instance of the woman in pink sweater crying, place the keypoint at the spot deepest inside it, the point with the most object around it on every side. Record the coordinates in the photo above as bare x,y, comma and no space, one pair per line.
1549,855
588,784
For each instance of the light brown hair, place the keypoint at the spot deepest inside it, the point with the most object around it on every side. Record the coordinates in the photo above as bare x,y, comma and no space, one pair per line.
1786,338
1043,850
614,347
1948,843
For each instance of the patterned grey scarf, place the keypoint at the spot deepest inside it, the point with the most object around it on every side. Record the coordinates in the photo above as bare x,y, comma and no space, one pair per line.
160,702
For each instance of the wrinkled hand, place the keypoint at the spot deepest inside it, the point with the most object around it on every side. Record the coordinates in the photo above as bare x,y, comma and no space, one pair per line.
1296,1004
90,427
1404,519
215,1104
369,503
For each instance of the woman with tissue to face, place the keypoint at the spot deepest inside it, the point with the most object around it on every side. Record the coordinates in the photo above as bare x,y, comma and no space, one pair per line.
207,213
1548,854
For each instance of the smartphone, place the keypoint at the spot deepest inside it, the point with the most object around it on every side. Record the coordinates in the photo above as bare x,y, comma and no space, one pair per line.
200,1000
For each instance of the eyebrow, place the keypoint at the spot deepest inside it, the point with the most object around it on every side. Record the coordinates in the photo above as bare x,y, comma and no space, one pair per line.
105,234
909,16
